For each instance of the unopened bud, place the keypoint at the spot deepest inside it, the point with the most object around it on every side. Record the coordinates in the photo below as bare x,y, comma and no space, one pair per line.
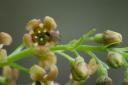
3,55
49,23
10,73
80,70
115,60
37,73
5,38
109,38
104,80
53,73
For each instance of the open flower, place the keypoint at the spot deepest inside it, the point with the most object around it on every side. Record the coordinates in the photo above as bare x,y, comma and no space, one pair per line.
41,35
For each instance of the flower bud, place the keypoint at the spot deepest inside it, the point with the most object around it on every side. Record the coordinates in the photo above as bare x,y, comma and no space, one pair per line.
10,73
104,80
109,38
37,73
3,55
5,38
80,70
49,23
52,72
115,60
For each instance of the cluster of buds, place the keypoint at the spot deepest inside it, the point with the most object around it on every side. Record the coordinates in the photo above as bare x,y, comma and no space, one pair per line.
10,75
42,35
111,38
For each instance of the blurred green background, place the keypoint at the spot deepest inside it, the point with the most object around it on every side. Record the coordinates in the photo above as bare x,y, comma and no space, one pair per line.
74,17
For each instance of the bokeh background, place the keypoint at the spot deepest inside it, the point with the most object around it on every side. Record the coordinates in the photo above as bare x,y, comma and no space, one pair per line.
74,17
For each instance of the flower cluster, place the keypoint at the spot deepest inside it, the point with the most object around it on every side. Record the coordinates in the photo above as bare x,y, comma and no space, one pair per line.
41,40
43,35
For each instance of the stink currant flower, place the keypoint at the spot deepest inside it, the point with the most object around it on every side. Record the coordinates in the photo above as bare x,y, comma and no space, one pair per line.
41,35
115,59
80,69
109,38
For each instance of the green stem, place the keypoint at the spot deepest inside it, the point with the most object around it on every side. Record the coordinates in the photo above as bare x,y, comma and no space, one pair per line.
92,48
20,67
76,53
70,59
19,55
81,48
18,49
29,51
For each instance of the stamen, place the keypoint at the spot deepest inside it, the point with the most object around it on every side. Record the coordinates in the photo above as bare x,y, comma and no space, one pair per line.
35,37
41,39
39,31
